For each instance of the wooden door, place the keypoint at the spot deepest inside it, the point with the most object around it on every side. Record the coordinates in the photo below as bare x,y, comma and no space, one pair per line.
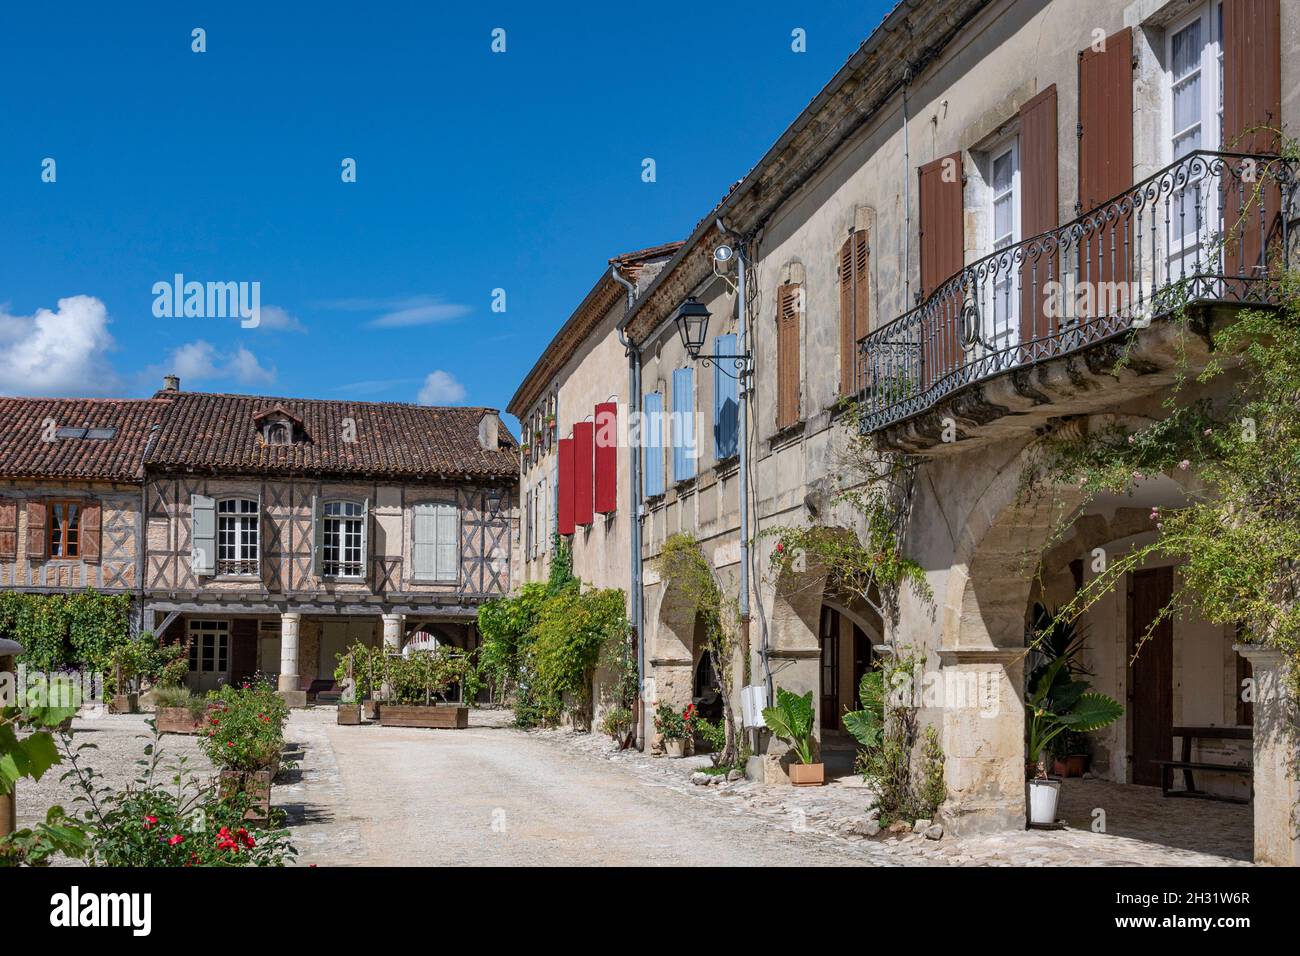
1151,675
830,670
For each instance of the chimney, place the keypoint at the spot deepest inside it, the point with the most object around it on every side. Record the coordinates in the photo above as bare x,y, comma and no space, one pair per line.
171,383
487,431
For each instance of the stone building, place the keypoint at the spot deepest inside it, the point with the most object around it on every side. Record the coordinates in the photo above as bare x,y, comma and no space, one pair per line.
279,531
957,232
576,394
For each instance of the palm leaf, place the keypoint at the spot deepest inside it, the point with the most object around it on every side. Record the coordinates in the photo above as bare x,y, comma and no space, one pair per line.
1092,712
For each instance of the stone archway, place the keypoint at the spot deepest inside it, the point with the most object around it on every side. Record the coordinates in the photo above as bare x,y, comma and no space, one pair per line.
982,650
672,645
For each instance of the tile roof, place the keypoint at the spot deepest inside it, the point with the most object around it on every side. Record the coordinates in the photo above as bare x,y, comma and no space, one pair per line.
217,433
24,426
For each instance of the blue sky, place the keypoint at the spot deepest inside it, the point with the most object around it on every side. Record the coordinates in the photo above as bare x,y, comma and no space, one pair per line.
475,171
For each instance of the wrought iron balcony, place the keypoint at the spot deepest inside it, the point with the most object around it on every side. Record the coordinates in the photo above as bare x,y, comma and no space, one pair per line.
1209,229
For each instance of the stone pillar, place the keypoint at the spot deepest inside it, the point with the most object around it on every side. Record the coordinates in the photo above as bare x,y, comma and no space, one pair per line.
392,633
983,739
1276,751
290,622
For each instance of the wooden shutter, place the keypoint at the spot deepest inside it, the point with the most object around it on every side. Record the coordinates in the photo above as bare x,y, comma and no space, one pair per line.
652,439
788,302
424,542
448,542
317,537
1105,120
726,401
565,523
37,536
1252,111
8,529
203,534
1039,205
855,310
584,472
89,531
942,257
607,457
684,452
528,524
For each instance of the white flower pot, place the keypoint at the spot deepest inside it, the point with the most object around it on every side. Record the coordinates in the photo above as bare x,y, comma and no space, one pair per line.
1043,796
675,747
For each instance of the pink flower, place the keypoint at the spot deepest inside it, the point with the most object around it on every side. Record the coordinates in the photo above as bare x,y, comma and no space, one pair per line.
1208,432
176,840
150,822
1184,465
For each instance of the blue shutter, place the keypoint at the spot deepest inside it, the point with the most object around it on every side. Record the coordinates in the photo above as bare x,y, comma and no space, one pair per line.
684,452
652,440
726,402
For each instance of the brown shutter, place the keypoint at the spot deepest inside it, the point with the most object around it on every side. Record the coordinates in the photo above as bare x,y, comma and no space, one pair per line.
855,313
89,531
8,529
1252,115
1105,120
942,257
1039,204
787,355
1105,156
36,536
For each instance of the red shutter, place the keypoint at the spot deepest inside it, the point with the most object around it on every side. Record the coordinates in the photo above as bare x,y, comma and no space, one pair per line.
1252,112
564,489
584,472
35,529
943,256
89,531
607,457
1039,205
8,529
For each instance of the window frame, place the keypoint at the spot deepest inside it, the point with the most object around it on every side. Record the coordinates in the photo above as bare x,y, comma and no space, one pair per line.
239,562
1006,336
340,532
54,532
196,629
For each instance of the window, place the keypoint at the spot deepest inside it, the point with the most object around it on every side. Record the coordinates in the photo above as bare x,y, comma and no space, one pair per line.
65,529
1004,198
343,539
279,433
209,647
1194,61
237,532
435,555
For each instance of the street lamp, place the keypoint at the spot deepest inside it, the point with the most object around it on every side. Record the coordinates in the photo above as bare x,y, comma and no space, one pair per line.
692,325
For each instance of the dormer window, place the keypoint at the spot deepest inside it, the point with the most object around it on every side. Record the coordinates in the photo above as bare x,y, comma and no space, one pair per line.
278,433
278,426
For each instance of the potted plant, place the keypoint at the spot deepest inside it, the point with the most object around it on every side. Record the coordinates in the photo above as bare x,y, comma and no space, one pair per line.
418,684
675,727
356,673
244,738
1058,702
791,720
177,710
1070,754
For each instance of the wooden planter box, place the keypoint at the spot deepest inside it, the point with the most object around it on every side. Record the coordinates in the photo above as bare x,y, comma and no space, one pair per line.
178,720
349,715
442,716
124,704
370,709
256,784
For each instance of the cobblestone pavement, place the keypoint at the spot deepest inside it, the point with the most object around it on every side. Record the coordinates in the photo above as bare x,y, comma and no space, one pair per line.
494,795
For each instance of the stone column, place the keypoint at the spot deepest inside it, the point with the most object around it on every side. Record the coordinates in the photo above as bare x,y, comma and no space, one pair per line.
983,739
392,633
1276,751
289,625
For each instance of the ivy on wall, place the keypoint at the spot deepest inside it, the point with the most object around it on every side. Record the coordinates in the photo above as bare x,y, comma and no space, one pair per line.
65,630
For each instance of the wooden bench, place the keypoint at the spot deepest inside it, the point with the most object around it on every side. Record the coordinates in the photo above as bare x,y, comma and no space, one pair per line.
1187,765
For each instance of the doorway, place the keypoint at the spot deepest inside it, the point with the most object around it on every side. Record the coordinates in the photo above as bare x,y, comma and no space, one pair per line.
1151,675
830,669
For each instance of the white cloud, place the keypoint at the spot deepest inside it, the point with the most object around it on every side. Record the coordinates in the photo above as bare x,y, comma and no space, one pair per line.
59,352
441,388
275,319
200,361
402,312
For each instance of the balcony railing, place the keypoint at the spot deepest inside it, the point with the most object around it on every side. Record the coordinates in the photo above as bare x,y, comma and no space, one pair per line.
1209,228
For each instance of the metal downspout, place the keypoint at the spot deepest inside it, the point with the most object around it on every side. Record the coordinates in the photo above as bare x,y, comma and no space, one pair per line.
634,505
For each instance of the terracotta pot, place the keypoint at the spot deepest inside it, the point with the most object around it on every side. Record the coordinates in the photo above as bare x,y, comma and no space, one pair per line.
1059,767
1076,765
675,746
807,774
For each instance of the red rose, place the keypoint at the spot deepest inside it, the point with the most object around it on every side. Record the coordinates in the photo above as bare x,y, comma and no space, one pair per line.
176,840
149,822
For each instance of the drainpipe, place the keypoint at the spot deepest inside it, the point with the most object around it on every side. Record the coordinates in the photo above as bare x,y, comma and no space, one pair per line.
634,504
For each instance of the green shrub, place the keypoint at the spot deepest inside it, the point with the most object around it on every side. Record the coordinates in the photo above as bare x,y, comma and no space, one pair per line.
245,727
